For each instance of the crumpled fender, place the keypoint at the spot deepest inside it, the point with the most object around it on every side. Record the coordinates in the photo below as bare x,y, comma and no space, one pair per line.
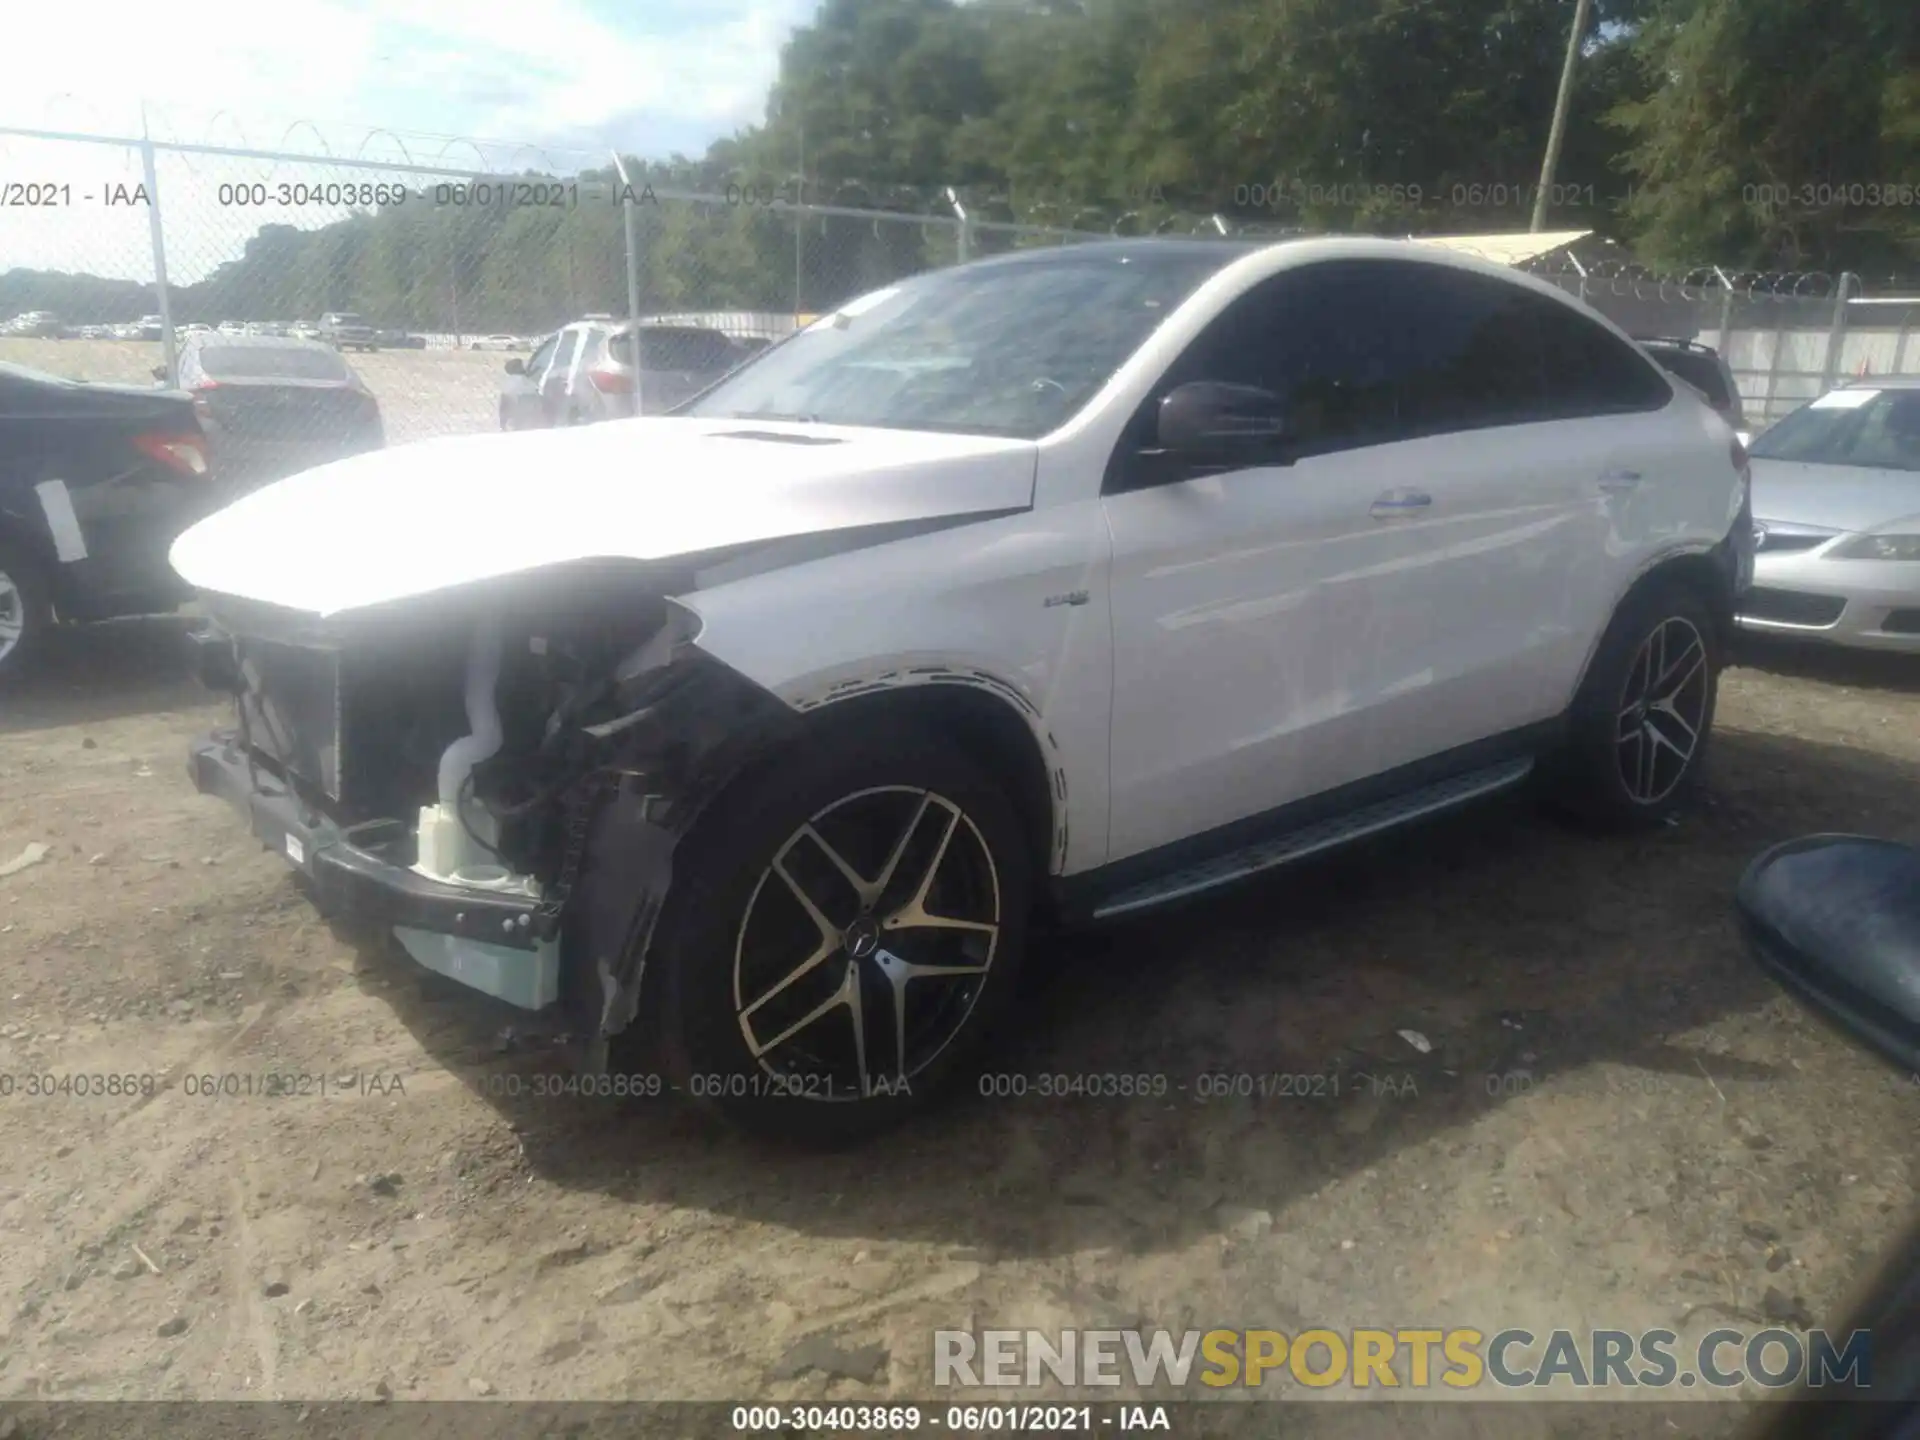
693,725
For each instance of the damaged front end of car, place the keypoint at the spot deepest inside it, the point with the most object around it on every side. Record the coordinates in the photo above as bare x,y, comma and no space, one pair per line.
496,776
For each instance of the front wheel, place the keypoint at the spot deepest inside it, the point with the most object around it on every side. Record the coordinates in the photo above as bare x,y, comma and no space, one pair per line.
1640,725
843,937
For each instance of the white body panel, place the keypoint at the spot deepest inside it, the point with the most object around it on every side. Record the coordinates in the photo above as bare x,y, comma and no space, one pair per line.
1282,631
970,601
440,513
1186,656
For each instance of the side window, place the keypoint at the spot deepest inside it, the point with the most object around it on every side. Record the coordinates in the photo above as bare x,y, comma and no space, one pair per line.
1366,352
569,344
1590,371
536,362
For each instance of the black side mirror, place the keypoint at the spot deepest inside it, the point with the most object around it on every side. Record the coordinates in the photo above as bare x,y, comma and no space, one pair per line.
1835,919
1211,420
516,366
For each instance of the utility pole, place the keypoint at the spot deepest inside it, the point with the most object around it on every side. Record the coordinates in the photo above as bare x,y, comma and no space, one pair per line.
799,216
1557,132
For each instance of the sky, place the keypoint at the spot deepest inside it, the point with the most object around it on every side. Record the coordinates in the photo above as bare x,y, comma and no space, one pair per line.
575,77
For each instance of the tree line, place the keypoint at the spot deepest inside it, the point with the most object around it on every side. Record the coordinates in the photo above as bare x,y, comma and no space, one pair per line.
1751,134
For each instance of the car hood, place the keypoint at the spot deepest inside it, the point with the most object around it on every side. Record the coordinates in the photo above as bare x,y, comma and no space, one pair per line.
1832,497
435,514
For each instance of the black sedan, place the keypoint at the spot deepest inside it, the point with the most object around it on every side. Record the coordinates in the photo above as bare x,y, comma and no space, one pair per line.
96,481
272,406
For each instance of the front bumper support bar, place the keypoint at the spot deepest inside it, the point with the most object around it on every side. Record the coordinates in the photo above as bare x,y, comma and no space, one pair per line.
360,875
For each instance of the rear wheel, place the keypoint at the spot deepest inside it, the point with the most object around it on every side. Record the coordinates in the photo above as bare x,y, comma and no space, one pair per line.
26,611
844,938
1643,717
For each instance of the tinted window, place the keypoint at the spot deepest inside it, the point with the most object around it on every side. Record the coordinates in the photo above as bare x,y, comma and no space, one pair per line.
1699,370
271,362
569,344
681,349
1591,371
1365,352
1881,432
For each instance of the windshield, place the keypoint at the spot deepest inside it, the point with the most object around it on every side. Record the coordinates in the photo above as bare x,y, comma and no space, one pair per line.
271,362
1873,429
1012,350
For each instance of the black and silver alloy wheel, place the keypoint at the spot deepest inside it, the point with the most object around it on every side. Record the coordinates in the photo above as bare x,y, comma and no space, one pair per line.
1639,728
865,944
842,935
1663,710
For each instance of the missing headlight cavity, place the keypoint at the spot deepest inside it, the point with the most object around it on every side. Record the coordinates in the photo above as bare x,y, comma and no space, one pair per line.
479,703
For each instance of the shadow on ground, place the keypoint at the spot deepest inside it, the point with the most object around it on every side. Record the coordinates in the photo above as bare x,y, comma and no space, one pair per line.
1518,949
1830,664
89,674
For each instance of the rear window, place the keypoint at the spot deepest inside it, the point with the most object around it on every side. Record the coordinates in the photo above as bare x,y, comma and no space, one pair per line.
271,362
1698,370
673,349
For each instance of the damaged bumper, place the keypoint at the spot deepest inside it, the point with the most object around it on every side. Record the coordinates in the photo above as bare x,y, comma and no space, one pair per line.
495,941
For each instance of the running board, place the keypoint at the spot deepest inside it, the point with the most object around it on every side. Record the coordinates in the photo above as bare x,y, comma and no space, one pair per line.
1324,835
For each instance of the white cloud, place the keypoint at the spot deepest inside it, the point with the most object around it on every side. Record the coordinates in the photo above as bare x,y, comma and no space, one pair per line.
314,75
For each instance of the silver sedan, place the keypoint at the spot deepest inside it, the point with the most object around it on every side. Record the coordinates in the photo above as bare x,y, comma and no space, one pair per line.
1836,506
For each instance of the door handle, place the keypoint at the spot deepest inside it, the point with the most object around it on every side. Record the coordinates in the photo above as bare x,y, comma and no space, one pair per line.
1395,503
1615,480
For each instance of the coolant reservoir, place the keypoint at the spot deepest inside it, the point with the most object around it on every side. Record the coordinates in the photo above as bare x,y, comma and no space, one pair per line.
445,847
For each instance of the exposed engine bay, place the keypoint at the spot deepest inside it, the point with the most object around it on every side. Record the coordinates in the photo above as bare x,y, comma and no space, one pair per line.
489,740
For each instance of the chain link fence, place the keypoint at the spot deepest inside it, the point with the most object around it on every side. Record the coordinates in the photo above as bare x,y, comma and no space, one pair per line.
435,278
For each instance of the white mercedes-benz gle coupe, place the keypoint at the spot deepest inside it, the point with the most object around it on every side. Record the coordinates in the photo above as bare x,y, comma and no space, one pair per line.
748,740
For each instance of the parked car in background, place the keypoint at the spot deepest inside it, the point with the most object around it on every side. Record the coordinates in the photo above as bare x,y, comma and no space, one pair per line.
585,372
346,331
1836,506
497,342
270,407
232,327
197,328
1076,581
37,324
96,482
303,330
1706,369
151,327
398,340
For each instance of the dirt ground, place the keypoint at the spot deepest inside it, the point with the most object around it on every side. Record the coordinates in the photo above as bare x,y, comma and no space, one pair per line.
1671,1143
421,392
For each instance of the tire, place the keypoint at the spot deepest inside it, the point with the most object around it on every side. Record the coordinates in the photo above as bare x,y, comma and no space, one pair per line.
26,611
867,794
1623,766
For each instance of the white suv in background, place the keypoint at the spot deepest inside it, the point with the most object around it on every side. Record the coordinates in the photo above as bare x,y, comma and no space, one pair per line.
1068,583
585,372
